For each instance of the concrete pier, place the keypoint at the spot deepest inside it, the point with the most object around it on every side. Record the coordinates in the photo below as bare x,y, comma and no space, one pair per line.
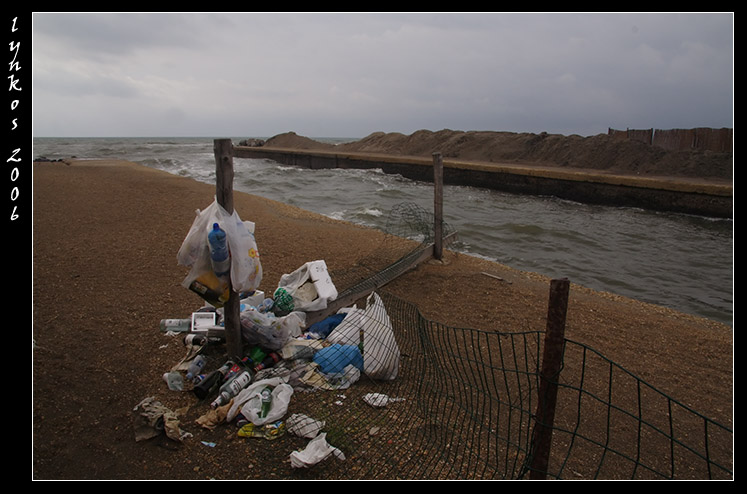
680,195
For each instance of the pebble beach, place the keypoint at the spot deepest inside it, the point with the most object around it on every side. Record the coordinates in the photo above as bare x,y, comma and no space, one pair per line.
105,238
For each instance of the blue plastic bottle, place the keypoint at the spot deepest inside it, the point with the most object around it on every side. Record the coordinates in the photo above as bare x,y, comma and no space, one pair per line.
219,255
196,366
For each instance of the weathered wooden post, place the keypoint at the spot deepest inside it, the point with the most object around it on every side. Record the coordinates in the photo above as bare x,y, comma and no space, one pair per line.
438,205
552,361
223,150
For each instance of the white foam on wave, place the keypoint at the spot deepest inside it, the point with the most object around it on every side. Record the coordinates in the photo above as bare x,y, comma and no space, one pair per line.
373,212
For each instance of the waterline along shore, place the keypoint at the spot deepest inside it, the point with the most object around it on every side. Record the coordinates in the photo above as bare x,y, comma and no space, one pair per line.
679,195
678,260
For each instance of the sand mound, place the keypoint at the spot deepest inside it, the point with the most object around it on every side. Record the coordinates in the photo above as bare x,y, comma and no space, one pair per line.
295,141
600,152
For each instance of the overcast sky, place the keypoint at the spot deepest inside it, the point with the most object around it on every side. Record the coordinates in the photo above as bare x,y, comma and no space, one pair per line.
348,75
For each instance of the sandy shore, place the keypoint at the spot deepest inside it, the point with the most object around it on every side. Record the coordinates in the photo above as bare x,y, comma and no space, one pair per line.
105,240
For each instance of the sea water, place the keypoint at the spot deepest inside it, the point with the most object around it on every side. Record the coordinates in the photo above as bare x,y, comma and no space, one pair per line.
684,262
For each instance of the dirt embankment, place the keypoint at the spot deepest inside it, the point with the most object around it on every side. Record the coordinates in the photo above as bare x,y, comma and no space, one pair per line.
599,153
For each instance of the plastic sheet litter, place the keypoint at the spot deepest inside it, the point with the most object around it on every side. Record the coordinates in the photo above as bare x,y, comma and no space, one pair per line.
317,450
302,425
334,358
379,400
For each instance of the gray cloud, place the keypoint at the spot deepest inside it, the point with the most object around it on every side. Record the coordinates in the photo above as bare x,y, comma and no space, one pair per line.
352,74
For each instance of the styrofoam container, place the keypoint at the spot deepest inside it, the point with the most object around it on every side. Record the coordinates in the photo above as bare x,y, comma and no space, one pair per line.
319,275
254,299
202,321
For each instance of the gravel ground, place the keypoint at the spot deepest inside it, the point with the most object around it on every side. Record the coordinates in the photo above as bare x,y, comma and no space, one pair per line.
105,241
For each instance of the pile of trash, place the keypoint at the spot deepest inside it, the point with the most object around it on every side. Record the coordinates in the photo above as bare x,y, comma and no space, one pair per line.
281,354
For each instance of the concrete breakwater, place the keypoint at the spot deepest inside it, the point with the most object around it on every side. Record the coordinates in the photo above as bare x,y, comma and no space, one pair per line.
587,186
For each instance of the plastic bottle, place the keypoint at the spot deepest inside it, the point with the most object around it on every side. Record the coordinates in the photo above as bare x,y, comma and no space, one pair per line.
176,325
212,381
266,400
232,388
219,255
196,366
256,355
236,368
271,359
201,340
266,305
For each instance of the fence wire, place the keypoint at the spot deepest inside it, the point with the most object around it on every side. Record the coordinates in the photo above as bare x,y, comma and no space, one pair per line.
610,424
447,414
408,232
461,403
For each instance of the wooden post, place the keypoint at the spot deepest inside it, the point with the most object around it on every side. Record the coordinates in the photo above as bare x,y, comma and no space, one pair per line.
438,205
552,361
223,150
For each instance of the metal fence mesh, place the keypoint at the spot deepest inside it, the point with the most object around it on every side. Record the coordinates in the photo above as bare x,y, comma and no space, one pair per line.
611,424
447,415
463,403
463,407
431,401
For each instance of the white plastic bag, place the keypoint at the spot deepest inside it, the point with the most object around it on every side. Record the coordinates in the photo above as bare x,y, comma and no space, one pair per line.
268,331
380,350
302,425
317,450
246,268
249,401
348,332
308,288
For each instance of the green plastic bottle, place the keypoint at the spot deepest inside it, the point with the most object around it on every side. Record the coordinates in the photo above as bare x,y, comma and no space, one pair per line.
266,399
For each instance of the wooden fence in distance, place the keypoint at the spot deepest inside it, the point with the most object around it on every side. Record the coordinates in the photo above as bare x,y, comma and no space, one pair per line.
703,138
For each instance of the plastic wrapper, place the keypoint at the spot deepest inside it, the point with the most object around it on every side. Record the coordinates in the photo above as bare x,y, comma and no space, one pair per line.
317,450
248,402
269,431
